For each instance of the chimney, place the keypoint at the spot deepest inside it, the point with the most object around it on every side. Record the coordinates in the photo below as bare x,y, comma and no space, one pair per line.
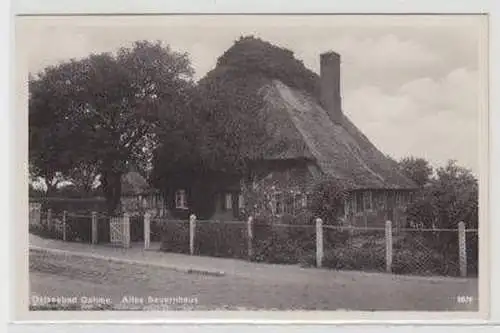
330,85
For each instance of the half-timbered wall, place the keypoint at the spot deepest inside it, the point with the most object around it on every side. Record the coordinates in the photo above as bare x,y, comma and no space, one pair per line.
371,208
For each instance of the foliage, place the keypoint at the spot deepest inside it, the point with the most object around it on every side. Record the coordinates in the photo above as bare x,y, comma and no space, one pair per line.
104,110
226,127
251,55
83,177
35,192
327,199
221,239
175,236
80,206
44,232
282,244
414,253
450,197
356,258
52,133
223,131
417,169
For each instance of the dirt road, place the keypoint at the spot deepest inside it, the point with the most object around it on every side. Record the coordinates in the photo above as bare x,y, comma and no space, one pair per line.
125,286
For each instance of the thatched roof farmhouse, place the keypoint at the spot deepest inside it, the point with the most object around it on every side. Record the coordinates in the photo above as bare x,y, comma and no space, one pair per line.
304,110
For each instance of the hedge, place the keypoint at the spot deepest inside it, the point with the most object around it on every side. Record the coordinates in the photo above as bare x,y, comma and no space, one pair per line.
219,239
175,236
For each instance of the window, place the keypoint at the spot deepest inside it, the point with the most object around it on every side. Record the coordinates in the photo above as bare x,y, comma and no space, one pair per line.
298,201
398,199
367,200
228,201
381,200
289,198
180,199
348,204
402,199
277,203
304,200
241,202
358,202
289,202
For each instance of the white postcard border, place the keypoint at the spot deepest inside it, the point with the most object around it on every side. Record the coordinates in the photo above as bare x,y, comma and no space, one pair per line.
25,6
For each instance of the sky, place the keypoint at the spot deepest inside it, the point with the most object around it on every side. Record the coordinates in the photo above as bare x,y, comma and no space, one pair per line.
412,84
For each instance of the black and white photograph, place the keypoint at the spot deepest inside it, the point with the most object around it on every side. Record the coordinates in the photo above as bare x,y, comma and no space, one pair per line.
255,162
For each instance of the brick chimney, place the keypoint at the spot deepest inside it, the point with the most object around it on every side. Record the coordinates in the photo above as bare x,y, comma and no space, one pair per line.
330,85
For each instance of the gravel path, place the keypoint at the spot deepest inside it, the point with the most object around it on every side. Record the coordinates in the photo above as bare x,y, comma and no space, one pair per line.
105,283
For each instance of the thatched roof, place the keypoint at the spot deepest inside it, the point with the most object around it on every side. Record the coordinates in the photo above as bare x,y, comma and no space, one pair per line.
340,151
295,117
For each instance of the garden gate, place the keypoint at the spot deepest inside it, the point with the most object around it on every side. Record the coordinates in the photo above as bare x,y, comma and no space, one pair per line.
119,231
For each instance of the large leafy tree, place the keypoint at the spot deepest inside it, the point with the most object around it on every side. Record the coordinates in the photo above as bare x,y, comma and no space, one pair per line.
417,169
84,177
51,136
106,110
222,131
230,119
450,196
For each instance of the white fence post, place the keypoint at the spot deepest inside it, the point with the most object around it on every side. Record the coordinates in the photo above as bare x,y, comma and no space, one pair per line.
34,214
462,249
94,228
49,219
38,215
388,246
319,242
192,230
250,237
395,220
147,230
64,218
126,230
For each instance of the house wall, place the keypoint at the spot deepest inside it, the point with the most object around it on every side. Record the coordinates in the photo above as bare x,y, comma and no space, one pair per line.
372,208
277,176
284,186
288,184
139,204
227,205
203,195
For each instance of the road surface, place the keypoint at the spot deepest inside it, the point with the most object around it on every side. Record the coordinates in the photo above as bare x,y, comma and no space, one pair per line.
95,283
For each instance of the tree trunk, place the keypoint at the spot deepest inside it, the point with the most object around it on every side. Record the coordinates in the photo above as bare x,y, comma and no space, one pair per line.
51,190
111,184
51,185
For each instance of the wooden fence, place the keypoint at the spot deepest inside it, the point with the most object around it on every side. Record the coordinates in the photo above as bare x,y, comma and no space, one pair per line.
120,234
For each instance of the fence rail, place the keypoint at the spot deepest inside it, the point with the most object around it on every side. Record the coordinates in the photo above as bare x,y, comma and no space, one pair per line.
423,251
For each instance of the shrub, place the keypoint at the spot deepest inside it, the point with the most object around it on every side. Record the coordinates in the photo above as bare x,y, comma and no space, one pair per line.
414,254
327,200
335,238
346,258
44,232
175,236
156,230
79,228
357,258
421,262
283,244
79,206
221,239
